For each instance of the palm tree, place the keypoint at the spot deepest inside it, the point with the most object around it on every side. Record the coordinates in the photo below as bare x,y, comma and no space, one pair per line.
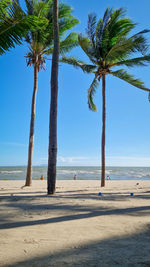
14,24
52,151
40,46
108,45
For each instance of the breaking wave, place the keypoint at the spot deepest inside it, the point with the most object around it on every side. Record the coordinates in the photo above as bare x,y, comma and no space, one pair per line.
82,173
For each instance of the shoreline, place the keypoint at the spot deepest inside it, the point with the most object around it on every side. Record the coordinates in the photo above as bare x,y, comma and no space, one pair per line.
77,183
82,173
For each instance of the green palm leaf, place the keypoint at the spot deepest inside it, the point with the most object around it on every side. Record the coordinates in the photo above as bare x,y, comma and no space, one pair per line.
87,47
69,43
124,47
66,24
29,5
78,64
119,26
139,61
91,29
102,34
124,75
66,45
91,92
14,24
65,10
140,41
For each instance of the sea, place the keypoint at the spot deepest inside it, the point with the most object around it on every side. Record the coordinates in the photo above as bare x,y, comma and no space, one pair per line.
82,173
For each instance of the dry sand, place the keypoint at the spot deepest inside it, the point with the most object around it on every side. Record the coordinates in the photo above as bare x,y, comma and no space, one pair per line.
75,227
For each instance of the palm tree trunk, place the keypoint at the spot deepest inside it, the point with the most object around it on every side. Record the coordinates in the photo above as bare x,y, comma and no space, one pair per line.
31,137
52,151
103,132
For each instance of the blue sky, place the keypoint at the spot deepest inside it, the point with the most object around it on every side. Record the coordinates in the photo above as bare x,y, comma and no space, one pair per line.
79,130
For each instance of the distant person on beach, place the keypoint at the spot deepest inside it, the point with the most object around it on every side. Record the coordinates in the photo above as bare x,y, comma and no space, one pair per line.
42,177
108,177
75,177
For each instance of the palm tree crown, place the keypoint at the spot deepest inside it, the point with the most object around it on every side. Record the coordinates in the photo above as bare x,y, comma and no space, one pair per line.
41,41
107,45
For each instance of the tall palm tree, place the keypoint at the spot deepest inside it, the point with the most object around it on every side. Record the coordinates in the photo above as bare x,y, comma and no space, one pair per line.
52,150
41,45
108,45
14,24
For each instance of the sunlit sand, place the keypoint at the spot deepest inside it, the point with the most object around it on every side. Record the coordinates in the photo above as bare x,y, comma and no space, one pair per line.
76,226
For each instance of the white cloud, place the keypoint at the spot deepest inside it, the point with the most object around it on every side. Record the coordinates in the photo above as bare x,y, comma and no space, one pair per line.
96,161
72,159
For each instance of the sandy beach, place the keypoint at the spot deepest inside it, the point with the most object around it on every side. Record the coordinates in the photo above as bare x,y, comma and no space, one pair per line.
76,226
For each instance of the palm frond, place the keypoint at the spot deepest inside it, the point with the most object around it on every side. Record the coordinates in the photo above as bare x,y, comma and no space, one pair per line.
91,92
99,31
78,64
124,75
29,5
65,24
66,45
87,47
66,20
41,8
91,29
119,51
116,15
65,10
139,61
124,47
14,26
110,29
119,26
4,5
69,43
118,30
102,33
141,45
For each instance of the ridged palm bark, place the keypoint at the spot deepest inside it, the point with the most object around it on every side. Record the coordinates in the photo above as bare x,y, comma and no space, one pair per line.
108,45
35,58
103,130
52,151
32,122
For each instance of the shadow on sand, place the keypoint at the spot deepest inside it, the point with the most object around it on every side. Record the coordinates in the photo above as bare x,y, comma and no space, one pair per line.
132,251
128,251
72,211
